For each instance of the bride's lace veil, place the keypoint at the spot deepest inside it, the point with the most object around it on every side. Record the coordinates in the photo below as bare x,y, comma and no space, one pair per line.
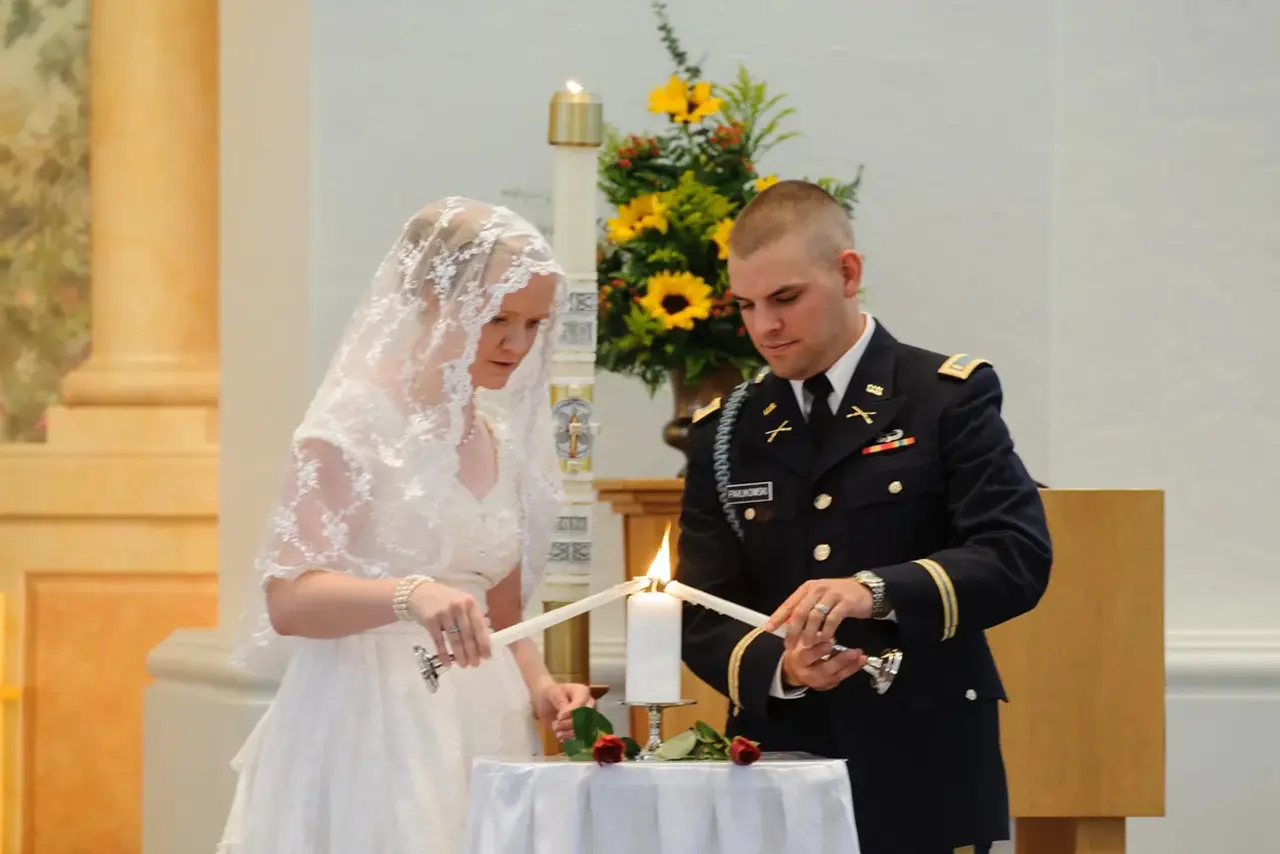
371,464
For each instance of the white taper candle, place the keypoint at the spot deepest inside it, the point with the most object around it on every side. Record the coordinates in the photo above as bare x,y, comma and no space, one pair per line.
694,596
542,622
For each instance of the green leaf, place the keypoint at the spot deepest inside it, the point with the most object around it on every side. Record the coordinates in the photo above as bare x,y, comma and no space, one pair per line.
631,749
574,749
707,734
677,747
588,724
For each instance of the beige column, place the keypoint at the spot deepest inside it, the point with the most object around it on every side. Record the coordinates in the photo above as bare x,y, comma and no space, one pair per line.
154,186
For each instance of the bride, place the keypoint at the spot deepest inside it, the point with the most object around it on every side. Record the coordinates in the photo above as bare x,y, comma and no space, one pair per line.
420,497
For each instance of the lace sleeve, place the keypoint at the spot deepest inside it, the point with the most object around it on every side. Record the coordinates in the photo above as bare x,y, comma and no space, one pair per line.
324,520
324,517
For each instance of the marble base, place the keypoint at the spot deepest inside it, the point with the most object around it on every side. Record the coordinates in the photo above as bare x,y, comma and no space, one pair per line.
196,715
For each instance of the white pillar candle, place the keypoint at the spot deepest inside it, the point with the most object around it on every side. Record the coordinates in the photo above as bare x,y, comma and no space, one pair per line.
653,648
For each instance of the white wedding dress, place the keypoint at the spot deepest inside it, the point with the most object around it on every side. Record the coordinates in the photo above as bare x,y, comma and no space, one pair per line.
355,755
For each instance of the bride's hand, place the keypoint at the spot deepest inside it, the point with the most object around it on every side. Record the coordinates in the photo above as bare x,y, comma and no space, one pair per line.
446,612
555,704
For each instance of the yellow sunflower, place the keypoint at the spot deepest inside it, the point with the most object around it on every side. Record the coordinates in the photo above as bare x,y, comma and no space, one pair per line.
637,216
720,234
765,183
677,299
682,104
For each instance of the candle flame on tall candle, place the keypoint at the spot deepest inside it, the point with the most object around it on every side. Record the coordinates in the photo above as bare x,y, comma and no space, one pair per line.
660,567
573,86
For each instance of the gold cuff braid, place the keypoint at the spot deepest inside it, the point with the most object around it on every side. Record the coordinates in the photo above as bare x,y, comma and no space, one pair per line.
947,593
735,664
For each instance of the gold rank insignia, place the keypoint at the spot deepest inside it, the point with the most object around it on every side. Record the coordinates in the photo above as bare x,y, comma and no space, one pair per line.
961,365
706,410
761,374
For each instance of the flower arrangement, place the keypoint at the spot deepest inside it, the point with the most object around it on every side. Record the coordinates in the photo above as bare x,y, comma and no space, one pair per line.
665,308
594,741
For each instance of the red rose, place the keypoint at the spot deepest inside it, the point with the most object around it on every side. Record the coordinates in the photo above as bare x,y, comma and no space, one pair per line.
609,749
743,752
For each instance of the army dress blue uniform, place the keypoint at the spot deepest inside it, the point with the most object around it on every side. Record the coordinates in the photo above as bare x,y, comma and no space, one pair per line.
917,483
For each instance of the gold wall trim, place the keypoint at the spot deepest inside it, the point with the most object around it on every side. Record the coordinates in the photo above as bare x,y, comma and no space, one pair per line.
46,482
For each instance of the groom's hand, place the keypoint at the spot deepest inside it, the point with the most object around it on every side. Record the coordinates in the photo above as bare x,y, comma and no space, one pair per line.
818,607
814,666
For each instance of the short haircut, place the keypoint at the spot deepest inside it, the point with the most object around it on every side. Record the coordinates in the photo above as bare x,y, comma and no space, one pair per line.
790,206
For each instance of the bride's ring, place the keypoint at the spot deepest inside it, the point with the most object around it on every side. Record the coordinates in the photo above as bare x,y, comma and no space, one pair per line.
822,609
453,630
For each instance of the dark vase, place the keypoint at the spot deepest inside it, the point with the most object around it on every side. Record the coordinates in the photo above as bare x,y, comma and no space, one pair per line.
689,397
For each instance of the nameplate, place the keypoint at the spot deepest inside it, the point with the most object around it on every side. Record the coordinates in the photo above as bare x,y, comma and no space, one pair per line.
750,493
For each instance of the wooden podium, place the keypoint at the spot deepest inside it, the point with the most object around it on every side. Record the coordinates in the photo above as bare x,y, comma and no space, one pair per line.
1084,731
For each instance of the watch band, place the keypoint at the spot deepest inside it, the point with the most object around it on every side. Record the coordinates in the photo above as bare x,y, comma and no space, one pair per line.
875,584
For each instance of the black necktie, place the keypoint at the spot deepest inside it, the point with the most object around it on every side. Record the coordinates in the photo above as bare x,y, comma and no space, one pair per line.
820,416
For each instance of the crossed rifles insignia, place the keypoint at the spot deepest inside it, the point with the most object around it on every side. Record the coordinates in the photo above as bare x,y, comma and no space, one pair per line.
785,426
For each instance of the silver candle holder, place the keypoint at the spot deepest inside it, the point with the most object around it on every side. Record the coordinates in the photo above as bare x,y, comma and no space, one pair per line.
882,668
655,724
431,666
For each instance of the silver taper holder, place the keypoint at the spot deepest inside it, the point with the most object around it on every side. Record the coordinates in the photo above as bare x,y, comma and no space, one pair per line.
655,725
430,666
881,668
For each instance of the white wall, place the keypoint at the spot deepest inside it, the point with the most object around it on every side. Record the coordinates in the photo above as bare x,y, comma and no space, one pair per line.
1164,255
1085,192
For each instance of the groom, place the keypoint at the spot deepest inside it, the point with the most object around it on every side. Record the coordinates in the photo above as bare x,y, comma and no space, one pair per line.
868,491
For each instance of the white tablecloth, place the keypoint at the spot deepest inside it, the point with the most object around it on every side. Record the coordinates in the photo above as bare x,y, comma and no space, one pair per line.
553,806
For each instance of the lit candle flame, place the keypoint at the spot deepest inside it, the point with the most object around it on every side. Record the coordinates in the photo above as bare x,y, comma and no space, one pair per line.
573,86
660,567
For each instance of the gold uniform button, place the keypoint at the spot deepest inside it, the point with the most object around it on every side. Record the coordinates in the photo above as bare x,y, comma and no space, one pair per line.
895,487
822,502
822,551
750,513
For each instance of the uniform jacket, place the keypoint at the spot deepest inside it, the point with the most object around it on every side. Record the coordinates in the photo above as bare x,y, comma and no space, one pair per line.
918,482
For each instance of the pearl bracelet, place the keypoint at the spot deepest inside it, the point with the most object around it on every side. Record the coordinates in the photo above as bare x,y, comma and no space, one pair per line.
400,604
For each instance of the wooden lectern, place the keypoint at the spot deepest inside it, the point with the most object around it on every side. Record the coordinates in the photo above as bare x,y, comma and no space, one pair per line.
1083,733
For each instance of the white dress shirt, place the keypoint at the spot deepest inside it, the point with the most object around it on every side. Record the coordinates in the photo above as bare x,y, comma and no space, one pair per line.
840,374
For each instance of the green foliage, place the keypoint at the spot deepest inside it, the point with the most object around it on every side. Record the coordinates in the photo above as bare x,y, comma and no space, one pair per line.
700,743
749,105
589,725
702,170
44,207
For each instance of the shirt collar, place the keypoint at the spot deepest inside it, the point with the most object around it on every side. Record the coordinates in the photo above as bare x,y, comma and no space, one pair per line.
840,373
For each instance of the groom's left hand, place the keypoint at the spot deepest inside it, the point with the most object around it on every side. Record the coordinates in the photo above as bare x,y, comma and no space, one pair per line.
556,705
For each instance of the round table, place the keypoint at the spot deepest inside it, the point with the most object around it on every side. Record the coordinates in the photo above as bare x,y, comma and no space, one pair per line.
554,806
